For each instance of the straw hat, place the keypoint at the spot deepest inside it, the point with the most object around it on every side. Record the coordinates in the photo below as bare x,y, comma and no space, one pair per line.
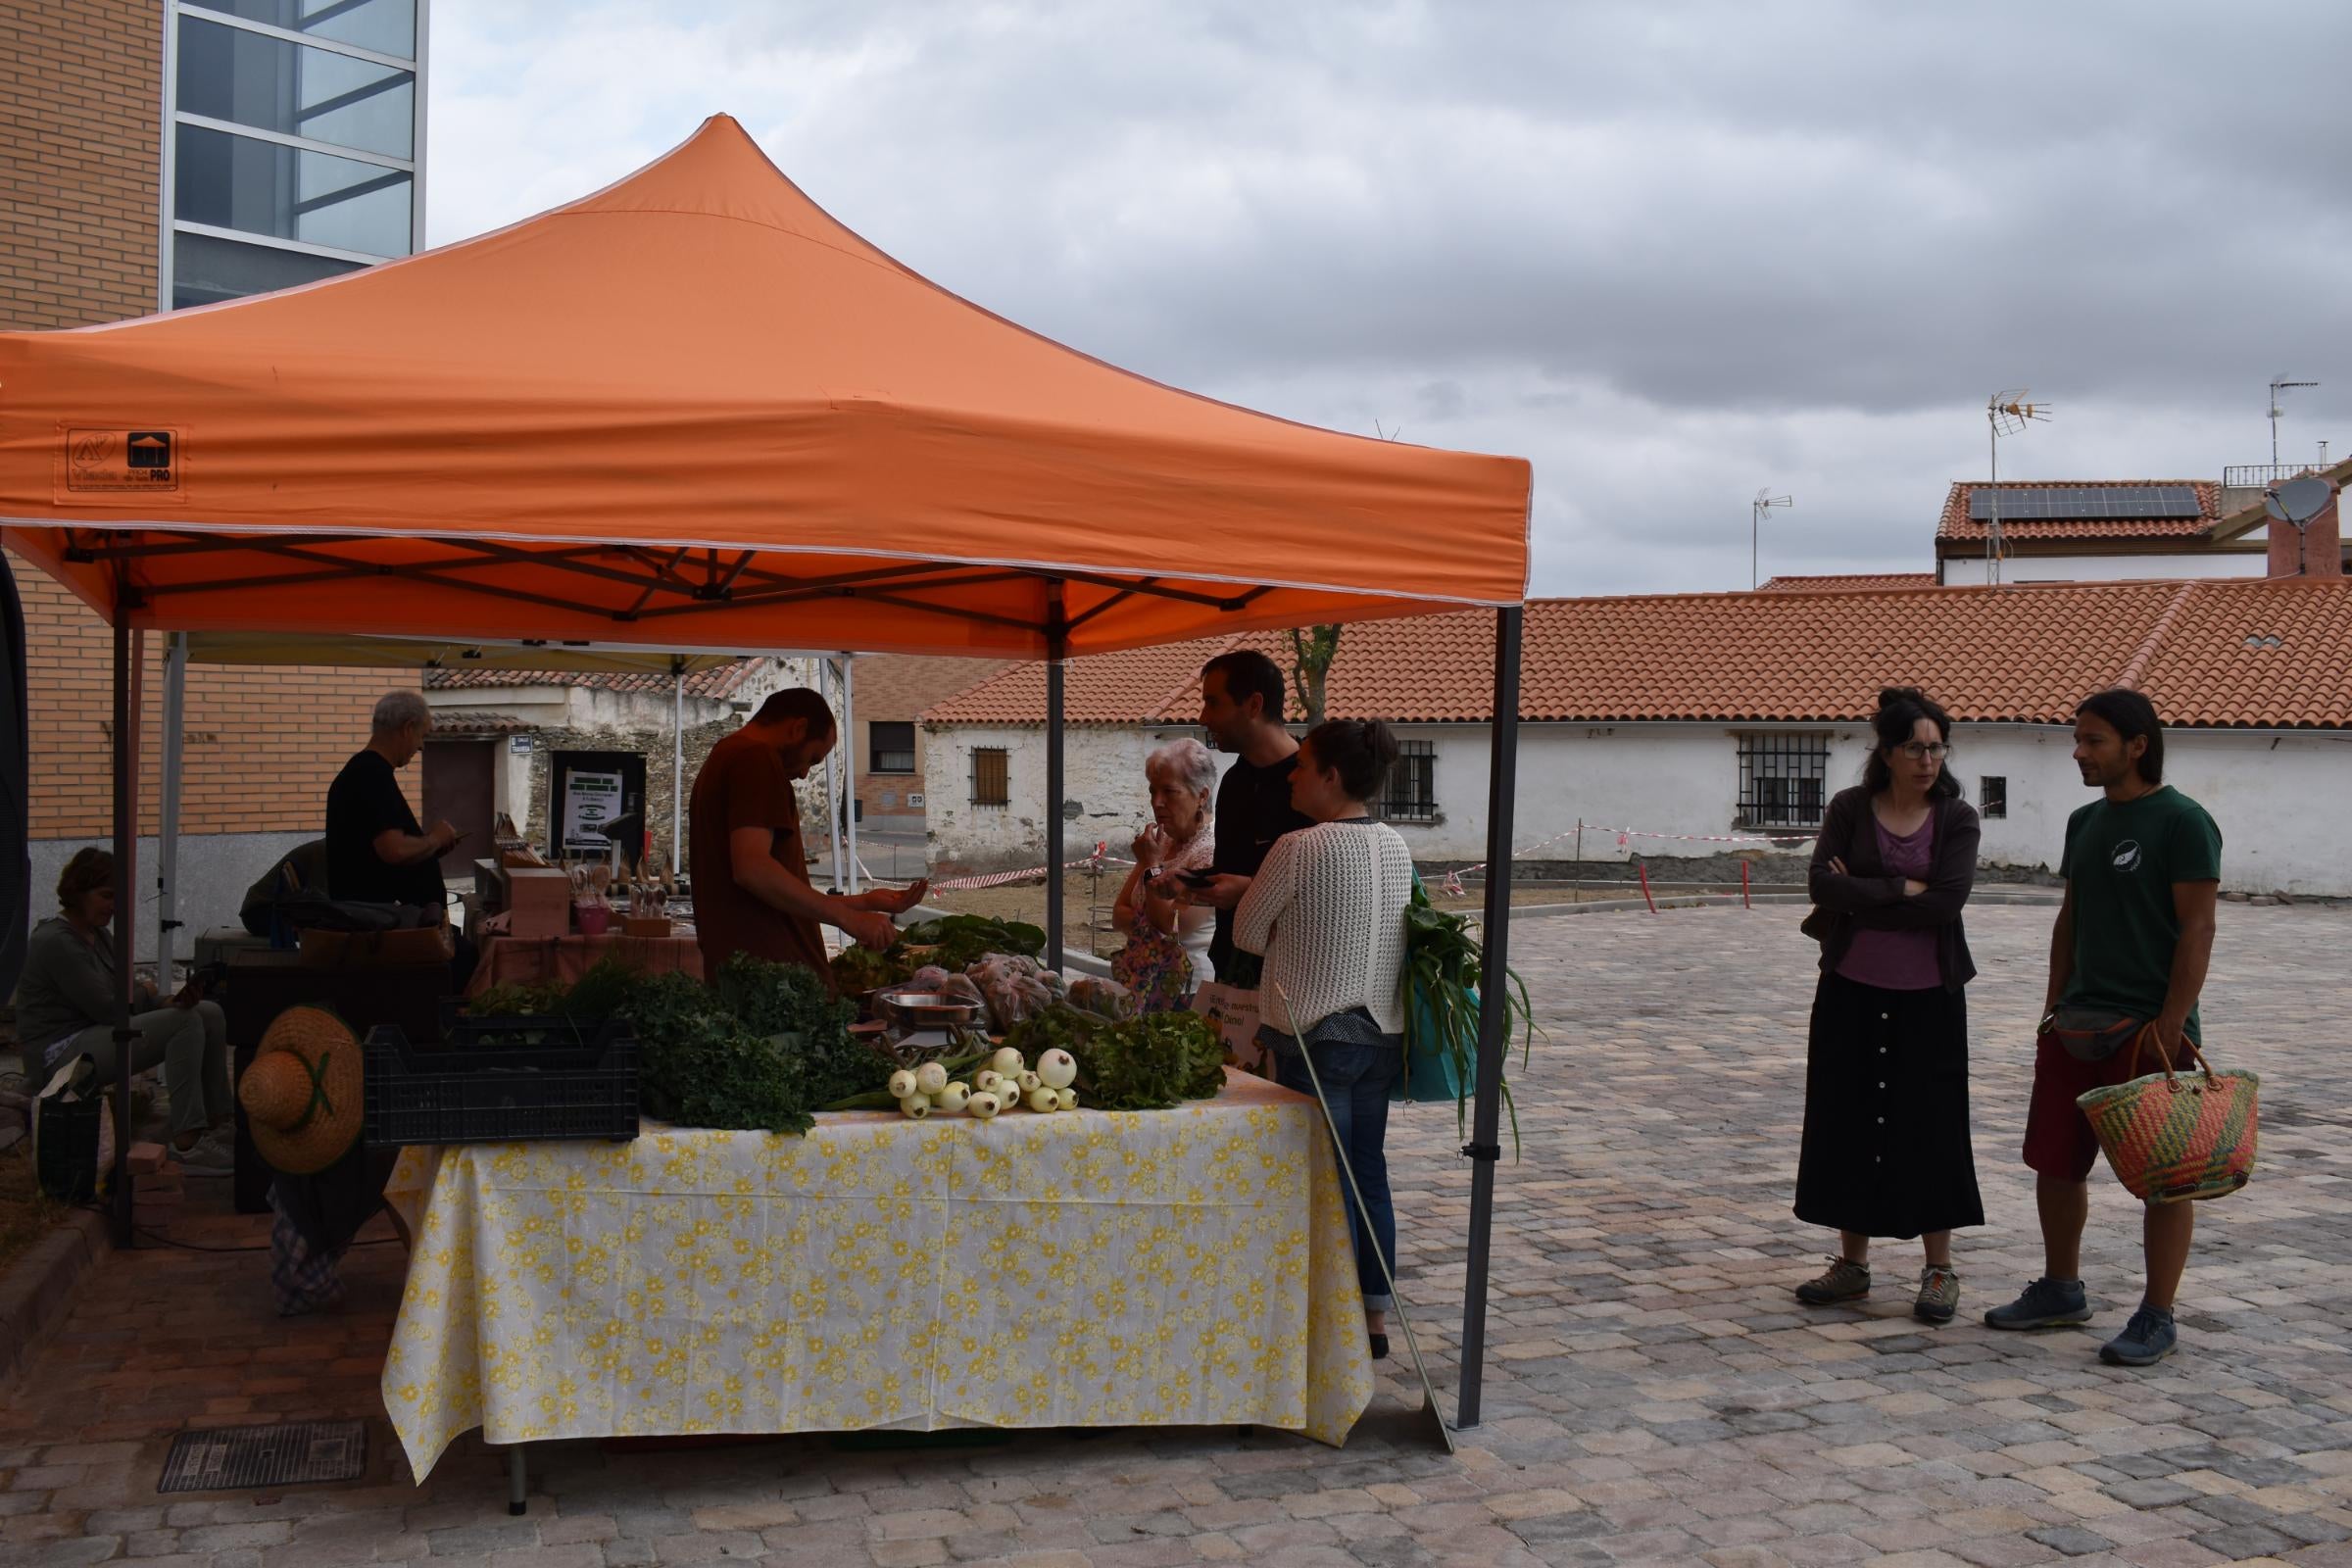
303,1091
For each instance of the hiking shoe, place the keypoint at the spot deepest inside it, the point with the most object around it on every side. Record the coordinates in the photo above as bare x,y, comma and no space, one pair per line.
1938,1295
2145,1341
1844,1280
2046,1303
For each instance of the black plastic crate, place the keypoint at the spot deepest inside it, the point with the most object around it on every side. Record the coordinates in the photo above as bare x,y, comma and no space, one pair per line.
503,1080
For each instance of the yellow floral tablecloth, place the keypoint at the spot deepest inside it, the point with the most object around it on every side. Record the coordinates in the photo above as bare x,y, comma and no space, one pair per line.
1174,1267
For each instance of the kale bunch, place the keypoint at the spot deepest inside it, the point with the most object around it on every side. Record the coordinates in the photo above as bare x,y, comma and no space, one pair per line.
1149,1062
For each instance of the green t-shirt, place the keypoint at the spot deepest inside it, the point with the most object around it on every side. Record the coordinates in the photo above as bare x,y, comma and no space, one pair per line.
2122,862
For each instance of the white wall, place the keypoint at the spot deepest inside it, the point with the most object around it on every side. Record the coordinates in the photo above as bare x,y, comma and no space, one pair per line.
2271,792
1969,570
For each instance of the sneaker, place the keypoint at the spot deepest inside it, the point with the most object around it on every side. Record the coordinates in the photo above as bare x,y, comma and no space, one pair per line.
2046,1303
211,1155
1844,1280
2145,1341
1938,1295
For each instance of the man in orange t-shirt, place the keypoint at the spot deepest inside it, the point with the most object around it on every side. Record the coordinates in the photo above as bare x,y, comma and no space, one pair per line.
751,875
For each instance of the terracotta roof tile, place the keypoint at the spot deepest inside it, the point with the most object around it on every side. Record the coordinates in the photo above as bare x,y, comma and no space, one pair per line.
1957,526
717,681
2202,651
897,687
1839,584
471,721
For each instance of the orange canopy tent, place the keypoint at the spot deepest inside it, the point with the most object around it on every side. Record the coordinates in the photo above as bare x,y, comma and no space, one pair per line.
693,411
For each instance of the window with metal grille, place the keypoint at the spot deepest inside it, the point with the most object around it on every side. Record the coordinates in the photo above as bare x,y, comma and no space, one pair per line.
1992,795
890,747
1783,780
992,776
1412,793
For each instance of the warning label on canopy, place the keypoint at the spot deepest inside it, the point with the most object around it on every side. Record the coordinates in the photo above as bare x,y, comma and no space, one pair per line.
121,462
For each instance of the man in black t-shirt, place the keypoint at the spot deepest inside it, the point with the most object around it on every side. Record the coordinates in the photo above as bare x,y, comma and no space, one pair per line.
1241,708
375,851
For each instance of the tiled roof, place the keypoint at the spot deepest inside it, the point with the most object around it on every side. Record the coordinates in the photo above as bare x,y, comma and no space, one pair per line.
898,687
718,681
1831,585
2202,651
1957,526
472,721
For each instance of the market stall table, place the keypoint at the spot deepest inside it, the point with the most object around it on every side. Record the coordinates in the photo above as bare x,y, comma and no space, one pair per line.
1179,1267
509,961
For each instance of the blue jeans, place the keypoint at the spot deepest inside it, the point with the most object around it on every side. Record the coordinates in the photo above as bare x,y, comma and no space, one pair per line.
1355,1086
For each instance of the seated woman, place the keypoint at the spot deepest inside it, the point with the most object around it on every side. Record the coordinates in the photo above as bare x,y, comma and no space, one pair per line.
1327,909
1167,941
66,1008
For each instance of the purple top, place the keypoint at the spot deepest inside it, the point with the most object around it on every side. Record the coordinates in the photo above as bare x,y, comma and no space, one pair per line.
1899,961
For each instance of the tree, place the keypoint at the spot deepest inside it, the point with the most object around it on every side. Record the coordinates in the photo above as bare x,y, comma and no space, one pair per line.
1311,650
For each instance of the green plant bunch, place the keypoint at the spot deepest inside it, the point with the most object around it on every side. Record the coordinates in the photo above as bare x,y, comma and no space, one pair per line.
1149,1062
761,1049
963,940
1445,969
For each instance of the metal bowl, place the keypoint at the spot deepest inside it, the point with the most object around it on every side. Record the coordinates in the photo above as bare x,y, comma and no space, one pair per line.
923,1009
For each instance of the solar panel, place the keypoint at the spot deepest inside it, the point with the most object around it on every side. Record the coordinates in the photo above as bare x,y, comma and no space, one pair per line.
2021,502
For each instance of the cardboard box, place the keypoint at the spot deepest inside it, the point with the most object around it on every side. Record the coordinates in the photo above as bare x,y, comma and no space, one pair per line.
374,950
538,902
645,925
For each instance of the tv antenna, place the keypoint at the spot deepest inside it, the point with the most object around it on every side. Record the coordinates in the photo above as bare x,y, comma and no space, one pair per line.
2006,413
1765,501
2282,384
2298,500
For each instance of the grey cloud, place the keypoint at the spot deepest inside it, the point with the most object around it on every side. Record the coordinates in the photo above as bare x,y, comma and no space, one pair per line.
1668,251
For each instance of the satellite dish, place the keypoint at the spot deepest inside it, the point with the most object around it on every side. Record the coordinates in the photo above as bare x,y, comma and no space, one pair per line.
2298,500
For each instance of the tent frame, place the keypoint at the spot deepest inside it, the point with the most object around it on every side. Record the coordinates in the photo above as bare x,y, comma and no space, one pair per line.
1484,1151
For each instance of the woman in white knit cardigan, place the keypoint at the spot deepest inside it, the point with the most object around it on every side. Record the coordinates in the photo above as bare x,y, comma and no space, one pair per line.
1327,910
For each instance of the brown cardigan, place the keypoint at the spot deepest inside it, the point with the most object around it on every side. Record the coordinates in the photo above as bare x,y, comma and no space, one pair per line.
1867,897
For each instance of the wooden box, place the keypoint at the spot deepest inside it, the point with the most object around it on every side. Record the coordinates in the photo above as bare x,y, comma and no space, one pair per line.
538,902
645,925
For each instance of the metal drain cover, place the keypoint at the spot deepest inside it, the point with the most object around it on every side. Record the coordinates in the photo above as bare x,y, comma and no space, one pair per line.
290,1454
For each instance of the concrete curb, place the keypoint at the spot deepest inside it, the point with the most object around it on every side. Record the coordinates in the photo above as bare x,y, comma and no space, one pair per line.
1731,901
39,1289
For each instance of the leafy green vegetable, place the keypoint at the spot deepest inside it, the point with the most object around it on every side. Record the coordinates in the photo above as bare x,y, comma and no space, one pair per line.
771,999
858,970
962,940
1443,968
1148,1062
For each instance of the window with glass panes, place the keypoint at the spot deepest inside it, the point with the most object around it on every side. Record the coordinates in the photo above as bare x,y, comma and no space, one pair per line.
890,747
1784,779
293,142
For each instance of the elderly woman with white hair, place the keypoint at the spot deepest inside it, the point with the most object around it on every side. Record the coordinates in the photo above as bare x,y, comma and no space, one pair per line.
1167,942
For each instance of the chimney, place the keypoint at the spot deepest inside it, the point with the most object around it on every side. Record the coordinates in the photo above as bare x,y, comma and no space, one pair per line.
2316,551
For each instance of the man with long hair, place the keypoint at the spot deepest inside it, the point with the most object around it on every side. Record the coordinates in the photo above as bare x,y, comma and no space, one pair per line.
2142,869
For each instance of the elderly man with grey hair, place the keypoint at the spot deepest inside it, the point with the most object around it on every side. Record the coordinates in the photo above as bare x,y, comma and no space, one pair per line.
1167,941
375,851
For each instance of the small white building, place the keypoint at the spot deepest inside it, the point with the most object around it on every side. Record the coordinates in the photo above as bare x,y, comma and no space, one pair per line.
1688,726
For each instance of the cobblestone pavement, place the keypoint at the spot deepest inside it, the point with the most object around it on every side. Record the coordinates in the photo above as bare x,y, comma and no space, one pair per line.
1654,1393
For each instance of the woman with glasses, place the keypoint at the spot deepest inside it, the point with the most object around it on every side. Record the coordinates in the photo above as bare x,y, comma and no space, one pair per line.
1885,1146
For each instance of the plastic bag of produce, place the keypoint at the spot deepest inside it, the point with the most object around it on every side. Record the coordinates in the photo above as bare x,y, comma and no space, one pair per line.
1108,997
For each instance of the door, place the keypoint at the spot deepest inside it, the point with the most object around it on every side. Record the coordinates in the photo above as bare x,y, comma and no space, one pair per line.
460,779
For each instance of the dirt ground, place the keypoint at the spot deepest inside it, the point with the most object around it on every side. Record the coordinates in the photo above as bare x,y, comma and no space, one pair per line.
26,1216
1088,901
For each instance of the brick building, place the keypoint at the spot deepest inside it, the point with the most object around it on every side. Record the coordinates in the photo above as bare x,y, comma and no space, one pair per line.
83,169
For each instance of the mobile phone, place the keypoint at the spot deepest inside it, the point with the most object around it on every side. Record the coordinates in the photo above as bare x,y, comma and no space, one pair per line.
1197,879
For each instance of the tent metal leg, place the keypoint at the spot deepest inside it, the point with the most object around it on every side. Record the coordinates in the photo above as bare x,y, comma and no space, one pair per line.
166,822
827,683
130,647
849,759
1485,1150
1054,763
677,768
1058,634
518,1480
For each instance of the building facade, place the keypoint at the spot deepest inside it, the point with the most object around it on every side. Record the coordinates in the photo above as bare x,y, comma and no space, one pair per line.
155,153
1689,726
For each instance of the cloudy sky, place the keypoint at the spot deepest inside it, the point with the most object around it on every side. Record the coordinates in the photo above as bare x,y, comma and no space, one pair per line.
1669,252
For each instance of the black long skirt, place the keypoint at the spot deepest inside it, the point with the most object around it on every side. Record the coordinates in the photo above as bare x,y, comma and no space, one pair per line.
1885,1149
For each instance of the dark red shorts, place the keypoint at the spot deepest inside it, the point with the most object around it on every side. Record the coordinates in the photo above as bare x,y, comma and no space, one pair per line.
2059,1141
